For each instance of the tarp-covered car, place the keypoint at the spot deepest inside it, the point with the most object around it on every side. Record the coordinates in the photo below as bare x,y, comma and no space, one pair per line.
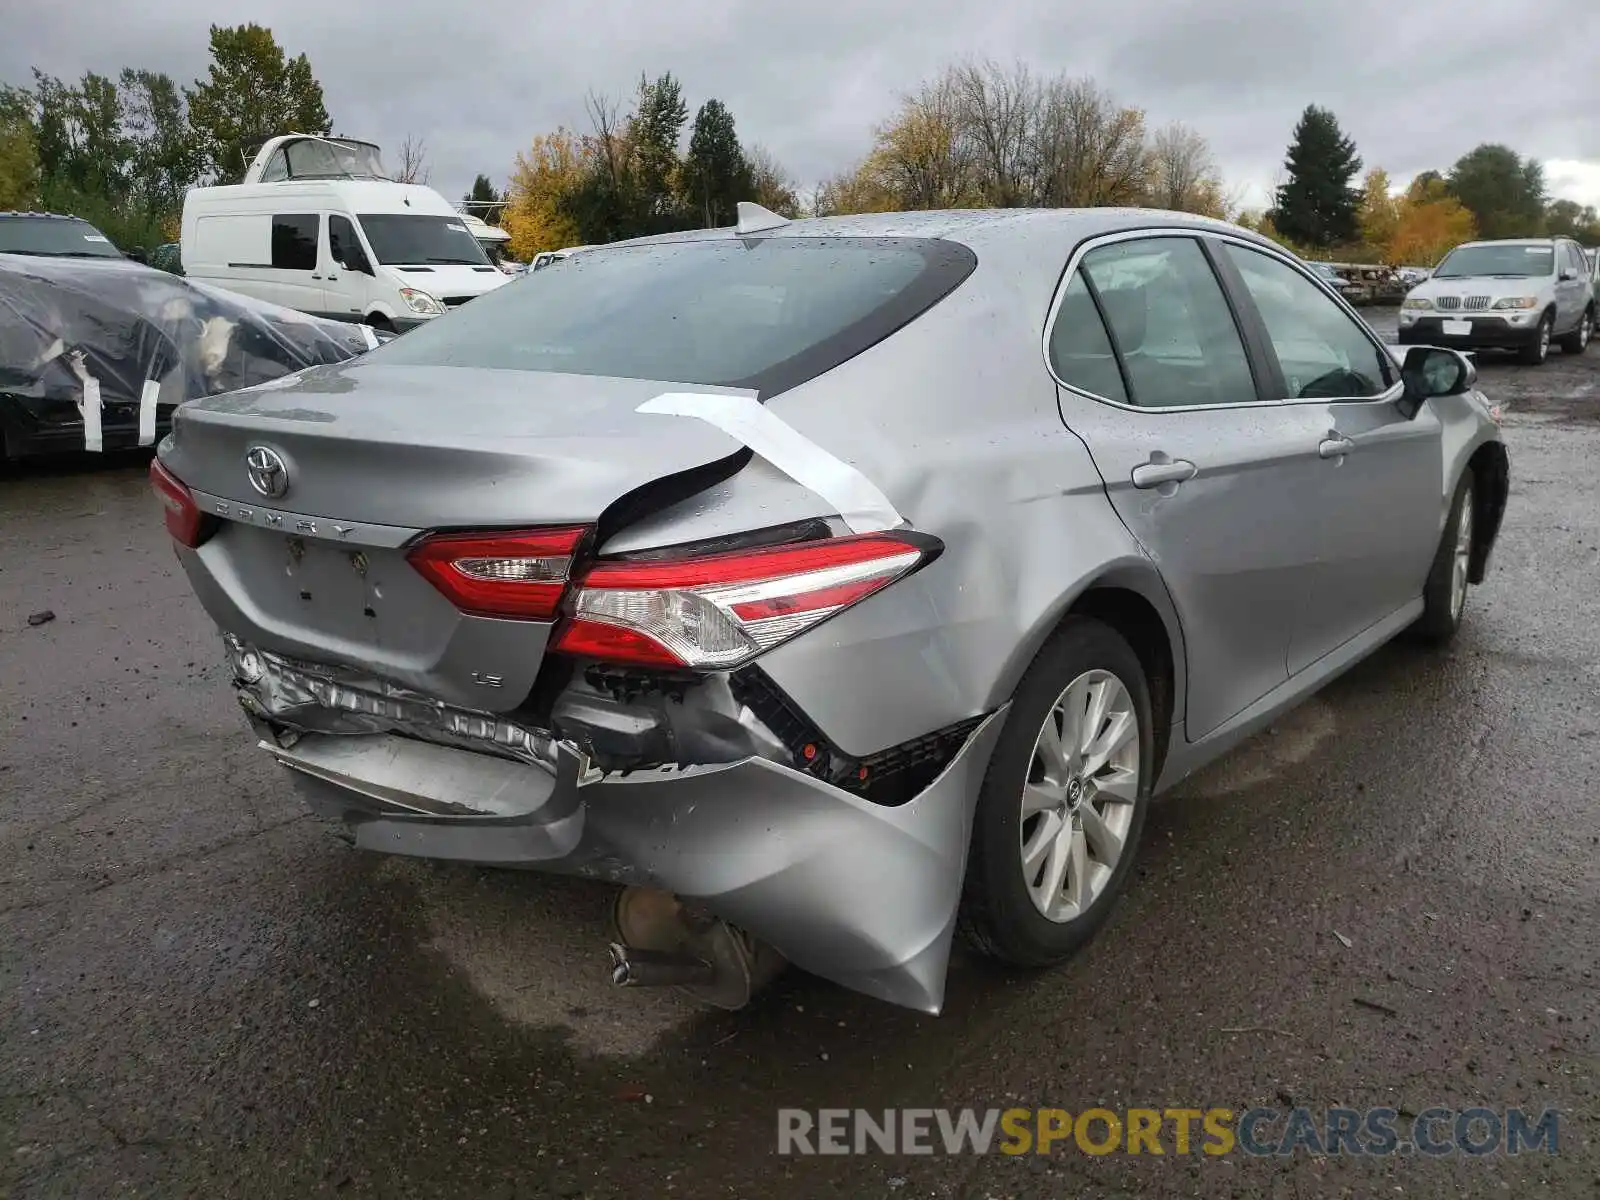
95,354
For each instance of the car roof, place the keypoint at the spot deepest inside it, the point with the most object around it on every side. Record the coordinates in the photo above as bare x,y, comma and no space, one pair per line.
48,215
971,227
1523,241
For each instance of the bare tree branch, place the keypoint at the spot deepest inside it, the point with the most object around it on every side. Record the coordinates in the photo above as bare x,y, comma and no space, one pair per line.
414,161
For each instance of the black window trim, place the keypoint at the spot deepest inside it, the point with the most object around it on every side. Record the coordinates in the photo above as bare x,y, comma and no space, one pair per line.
1245,305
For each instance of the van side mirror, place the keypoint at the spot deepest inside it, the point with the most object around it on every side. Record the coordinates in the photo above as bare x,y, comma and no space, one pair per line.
1431,371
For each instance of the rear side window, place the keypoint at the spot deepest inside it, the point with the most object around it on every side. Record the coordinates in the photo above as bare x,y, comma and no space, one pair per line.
1080,351
294,242
1170,323
761,313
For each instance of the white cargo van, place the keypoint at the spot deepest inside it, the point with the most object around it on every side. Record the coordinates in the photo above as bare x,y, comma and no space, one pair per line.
317,226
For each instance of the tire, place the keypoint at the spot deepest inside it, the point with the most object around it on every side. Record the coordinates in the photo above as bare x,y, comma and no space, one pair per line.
1444,596
999,914
1538,347
381,322
1577,341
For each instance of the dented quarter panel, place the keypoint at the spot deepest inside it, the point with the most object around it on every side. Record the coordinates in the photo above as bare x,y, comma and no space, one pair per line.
1000,481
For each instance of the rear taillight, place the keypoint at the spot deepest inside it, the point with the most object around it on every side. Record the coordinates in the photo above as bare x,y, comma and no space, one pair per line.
185,522
721,610
519,576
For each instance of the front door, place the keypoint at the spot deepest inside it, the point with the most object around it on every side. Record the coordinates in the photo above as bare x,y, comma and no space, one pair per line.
1214,483
1378,478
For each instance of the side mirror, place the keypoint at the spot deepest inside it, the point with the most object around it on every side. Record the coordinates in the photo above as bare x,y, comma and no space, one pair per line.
1568,274
138,255
1430,371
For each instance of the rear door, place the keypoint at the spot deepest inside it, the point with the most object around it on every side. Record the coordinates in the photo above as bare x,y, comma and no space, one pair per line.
1213,480
1575,291
1379,486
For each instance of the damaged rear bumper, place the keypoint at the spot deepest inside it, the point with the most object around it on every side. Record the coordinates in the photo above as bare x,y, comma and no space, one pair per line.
860,893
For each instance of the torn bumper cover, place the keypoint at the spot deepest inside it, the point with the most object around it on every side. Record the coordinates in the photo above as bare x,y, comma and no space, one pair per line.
859,893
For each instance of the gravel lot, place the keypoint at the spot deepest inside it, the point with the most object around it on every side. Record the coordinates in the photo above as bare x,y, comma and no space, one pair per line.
1391,898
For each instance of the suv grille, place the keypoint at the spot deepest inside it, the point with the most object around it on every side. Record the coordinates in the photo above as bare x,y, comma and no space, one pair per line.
1477,302
1448,302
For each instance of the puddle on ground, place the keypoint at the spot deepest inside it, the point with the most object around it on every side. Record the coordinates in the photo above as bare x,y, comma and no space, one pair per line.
534,946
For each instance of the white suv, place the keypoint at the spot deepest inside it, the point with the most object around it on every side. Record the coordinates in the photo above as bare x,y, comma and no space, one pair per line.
1515,295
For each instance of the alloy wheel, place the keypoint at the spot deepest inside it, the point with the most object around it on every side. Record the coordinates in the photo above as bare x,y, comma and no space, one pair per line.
1078,802
1463,558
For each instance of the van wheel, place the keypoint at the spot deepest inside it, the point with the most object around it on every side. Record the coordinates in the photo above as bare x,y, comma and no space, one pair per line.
1063,803
1577,341
379,321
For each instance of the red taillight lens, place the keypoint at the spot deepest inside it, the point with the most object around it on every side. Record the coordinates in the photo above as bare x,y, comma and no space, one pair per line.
519,576
185,521
721,610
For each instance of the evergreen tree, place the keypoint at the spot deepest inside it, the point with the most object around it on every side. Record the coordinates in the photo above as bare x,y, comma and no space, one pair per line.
716,173
483,201
1318,206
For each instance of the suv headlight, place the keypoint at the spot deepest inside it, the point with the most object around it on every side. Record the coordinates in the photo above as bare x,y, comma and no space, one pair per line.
420,302
1517,302
1417,302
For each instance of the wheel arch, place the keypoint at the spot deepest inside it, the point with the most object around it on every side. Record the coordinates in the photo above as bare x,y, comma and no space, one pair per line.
1131,598
1491,475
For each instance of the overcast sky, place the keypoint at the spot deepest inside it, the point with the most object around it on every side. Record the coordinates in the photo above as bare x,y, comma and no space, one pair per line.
1415,82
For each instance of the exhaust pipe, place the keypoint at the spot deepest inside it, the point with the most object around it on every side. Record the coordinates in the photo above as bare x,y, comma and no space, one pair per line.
661,943
656,968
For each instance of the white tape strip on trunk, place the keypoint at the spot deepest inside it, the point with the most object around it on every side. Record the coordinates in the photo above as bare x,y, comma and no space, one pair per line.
857,499
148,396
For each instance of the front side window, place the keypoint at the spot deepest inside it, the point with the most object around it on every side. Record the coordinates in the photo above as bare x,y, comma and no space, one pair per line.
294,242
765,313
343,245
415,240
1323,353
1170,323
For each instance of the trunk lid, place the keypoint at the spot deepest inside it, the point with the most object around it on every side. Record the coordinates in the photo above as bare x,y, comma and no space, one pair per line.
440,447
374,457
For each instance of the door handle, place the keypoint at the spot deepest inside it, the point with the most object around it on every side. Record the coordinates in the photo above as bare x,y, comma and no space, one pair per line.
316,277
1335,447
1154,474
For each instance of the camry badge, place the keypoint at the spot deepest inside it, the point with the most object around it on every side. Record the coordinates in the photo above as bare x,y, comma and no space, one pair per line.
268,473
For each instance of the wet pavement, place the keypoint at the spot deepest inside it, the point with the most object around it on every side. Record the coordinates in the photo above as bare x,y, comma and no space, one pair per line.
1391,899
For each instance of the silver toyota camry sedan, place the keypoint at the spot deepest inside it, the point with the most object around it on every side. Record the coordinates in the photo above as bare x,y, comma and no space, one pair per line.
832,585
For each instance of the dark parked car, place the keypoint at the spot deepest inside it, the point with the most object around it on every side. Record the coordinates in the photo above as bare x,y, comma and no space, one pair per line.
97,351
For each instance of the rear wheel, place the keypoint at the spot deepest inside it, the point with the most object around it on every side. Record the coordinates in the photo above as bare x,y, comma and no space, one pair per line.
1538,347
1063,804
1578,340
1445,594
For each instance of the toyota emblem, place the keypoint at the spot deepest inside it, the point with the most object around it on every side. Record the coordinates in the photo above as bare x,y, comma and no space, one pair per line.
268,473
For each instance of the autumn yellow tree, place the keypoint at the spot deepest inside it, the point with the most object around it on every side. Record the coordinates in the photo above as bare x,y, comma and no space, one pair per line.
546,176
1426,231
1379,215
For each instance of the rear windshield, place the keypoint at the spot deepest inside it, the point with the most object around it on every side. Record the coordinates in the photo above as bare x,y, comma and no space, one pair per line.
1513,259
413,240
54,237
763,313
